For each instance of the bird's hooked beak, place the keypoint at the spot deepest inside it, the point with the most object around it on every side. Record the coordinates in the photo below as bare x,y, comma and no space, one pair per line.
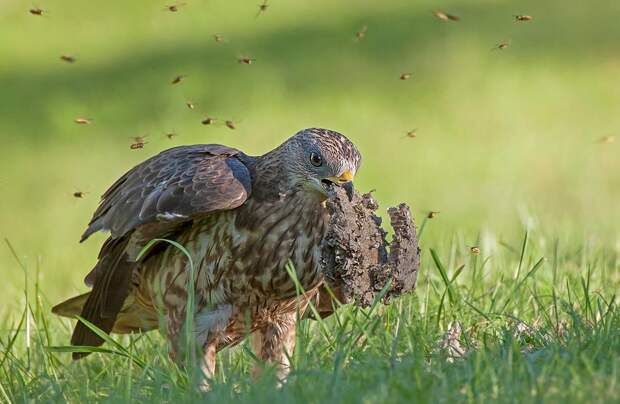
345,180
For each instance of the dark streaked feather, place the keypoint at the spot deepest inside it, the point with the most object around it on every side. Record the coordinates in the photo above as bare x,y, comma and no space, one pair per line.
177,185
71,307
151,201
107,297
133,317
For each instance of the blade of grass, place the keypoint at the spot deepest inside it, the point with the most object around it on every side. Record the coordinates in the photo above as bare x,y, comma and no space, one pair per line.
518,286
442,271
26,296
12,340
522,255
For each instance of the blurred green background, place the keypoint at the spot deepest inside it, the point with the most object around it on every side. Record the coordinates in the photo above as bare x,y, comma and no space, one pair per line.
505,138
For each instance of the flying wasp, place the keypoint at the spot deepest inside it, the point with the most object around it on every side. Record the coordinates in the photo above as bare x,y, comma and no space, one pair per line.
174,7
246,60
607,139
138,142
359,35
502,45
137,145
36,11
178,79
523,18
262,8
412,134
208,121
445,16
432,214
67,58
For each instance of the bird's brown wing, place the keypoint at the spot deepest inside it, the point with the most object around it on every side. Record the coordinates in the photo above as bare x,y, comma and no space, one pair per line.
150,201
175,186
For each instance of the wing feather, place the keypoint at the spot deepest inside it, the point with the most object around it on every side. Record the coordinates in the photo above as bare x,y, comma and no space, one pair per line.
154,199
179,184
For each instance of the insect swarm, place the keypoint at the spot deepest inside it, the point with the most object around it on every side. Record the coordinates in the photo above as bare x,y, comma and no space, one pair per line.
171,135
474,250
231,125
442,15
190,104
218,38
432,214
607,139
83,121
502,45
405,76
79,194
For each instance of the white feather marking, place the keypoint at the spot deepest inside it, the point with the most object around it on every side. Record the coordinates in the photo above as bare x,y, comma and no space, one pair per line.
170,216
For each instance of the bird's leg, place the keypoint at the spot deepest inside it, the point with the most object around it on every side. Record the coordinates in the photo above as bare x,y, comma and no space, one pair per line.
174,326
275,343
257,347
207,365
210,325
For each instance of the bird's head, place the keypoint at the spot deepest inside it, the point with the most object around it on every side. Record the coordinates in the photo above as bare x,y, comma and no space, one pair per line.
318,159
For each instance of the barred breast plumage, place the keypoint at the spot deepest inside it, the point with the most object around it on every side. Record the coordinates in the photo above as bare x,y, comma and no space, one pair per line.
241,261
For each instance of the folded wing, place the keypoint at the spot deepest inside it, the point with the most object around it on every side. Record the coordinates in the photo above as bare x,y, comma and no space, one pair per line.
153,200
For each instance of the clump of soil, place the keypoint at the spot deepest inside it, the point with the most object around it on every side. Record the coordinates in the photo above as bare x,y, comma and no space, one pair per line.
358,260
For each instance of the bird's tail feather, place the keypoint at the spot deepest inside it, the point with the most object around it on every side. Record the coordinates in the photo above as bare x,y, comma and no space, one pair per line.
134,316
106,300
71,307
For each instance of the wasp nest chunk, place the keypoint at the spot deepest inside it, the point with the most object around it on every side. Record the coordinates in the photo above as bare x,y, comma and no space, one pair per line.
358,261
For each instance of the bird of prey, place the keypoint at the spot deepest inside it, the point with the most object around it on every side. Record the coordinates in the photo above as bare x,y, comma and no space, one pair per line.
242,219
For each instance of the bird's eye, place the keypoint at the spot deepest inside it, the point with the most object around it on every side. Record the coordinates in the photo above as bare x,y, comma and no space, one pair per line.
316,160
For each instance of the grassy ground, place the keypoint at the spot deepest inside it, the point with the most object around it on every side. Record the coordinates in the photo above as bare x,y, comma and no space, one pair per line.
533,329
508,142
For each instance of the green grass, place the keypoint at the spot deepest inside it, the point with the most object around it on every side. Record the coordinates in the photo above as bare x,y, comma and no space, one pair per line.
507,141
561,298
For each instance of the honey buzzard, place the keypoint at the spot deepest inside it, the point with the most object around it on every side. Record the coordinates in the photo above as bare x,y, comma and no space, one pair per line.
241,218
